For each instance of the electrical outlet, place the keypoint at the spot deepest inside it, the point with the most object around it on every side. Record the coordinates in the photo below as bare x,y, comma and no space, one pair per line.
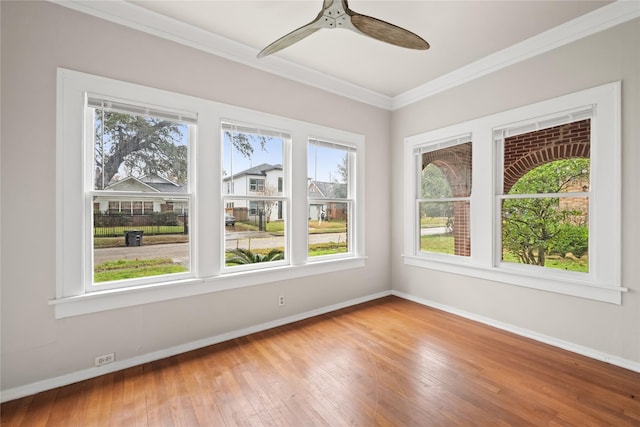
281,300
105,359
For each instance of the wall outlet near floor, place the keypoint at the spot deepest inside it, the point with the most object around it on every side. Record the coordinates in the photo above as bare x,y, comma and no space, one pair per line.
281,300
105,359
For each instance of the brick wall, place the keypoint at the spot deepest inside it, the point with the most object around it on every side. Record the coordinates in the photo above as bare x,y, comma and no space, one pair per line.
529,150
521,154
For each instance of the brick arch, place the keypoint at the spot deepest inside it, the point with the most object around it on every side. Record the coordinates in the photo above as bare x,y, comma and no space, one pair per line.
527,151
455,164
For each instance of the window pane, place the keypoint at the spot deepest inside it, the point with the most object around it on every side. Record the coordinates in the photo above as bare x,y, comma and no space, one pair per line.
446,172
444,227
254,231
551,232
139,153
554,160
329,174
129,245
252,164
328,167
328,228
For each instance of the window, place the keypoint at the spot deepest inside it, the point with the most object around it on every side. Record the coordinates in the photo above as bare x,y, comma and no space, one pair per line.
261,230
256,185
544,194
330,191
547,216
140,161
443,197
216,181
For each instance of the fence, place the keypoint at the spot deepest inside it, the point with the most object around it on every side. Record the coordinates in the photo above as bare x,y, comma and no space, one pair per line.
116,223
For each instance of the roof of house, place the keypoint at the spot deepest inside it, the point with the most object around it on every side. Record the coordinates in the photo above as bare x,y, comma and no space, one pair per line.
260,170
150,183
330,190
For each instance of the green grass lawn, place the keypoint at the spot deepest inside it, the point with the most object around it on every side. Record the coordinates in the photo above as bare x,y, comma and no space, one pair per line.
315,227
443,244
130,269
433,221
439,243
329,248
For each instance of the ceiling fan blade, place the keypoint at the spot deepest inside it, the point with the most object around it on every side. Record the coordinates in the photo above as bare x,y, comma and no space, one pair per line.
289,39
336,14
387,32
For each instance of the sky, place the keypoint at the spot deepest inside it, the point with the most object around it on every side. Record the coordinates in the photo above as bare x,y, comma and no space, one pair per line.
322,161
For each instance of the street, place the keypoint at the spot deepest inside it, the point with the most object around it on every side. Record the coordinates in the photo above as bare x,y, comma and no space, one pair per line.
179,252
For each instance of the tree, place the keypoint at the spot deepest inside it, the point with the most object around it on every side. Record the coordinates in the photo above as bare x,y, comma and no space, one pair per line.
243,141
135,145
339,188
435,186
138,145
343,167
269,190
533,225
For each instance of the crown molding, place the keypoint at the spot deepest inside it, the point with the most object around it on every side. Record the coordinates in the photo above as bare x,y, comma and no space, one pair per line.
593,22
138,18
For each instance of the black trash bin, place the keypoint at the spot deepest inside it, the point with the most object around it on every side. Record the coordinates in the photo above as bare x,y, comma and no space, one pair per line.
133,237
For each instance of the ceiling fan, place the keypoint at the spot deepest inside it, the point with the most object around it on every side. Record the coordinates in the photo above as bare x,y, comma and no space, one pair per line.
336,14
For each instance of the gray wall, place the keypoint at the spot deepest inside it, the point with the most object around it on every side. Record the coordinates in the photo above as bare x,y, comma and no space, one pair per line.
605,57
38,37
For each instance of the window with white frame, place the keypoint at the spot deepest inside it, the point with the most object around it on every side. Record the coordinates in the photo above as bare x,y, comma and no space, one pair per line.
249,151
443,196
330,191
140,161
543,191
545,207
256,185
140,167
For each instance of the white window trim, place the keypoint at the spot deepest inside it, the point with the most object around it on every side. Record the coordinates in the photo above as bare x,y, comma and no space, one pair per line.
254,196
355,187
206,213
603,282
426,148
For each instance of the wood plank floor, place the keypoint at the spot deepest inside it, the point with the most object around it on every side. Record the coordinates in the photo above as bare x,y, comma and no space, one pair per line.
390,362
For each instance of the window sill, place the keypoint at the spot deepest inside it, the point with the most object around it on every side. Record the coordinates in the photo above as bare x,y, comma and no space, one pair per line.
577,288
120,298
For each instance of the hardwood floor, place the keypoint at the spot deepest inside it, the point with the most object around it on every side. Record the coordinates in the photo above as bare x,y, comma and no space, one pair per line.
390,362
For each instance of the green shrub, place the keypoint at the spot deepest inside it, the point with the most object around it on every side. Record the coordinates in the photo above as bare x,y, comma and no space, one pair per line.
164,218
571,238
244,256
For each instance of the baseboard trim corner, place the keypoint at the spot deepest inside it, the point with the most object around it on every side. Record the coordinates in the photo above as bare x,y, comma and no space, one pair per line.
546,339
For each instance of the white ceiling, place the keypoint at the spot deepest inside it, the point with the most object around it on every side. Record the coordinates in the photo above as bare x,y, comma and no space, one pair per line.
461,33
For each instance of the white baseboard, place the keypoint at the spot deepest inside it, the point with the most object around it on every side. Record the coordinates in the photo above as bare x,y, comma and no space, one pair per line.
85,374
565,345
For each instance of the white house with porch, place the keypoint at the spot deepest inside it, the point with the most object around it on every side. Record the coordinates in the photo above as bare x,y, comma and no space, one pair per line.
143,203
